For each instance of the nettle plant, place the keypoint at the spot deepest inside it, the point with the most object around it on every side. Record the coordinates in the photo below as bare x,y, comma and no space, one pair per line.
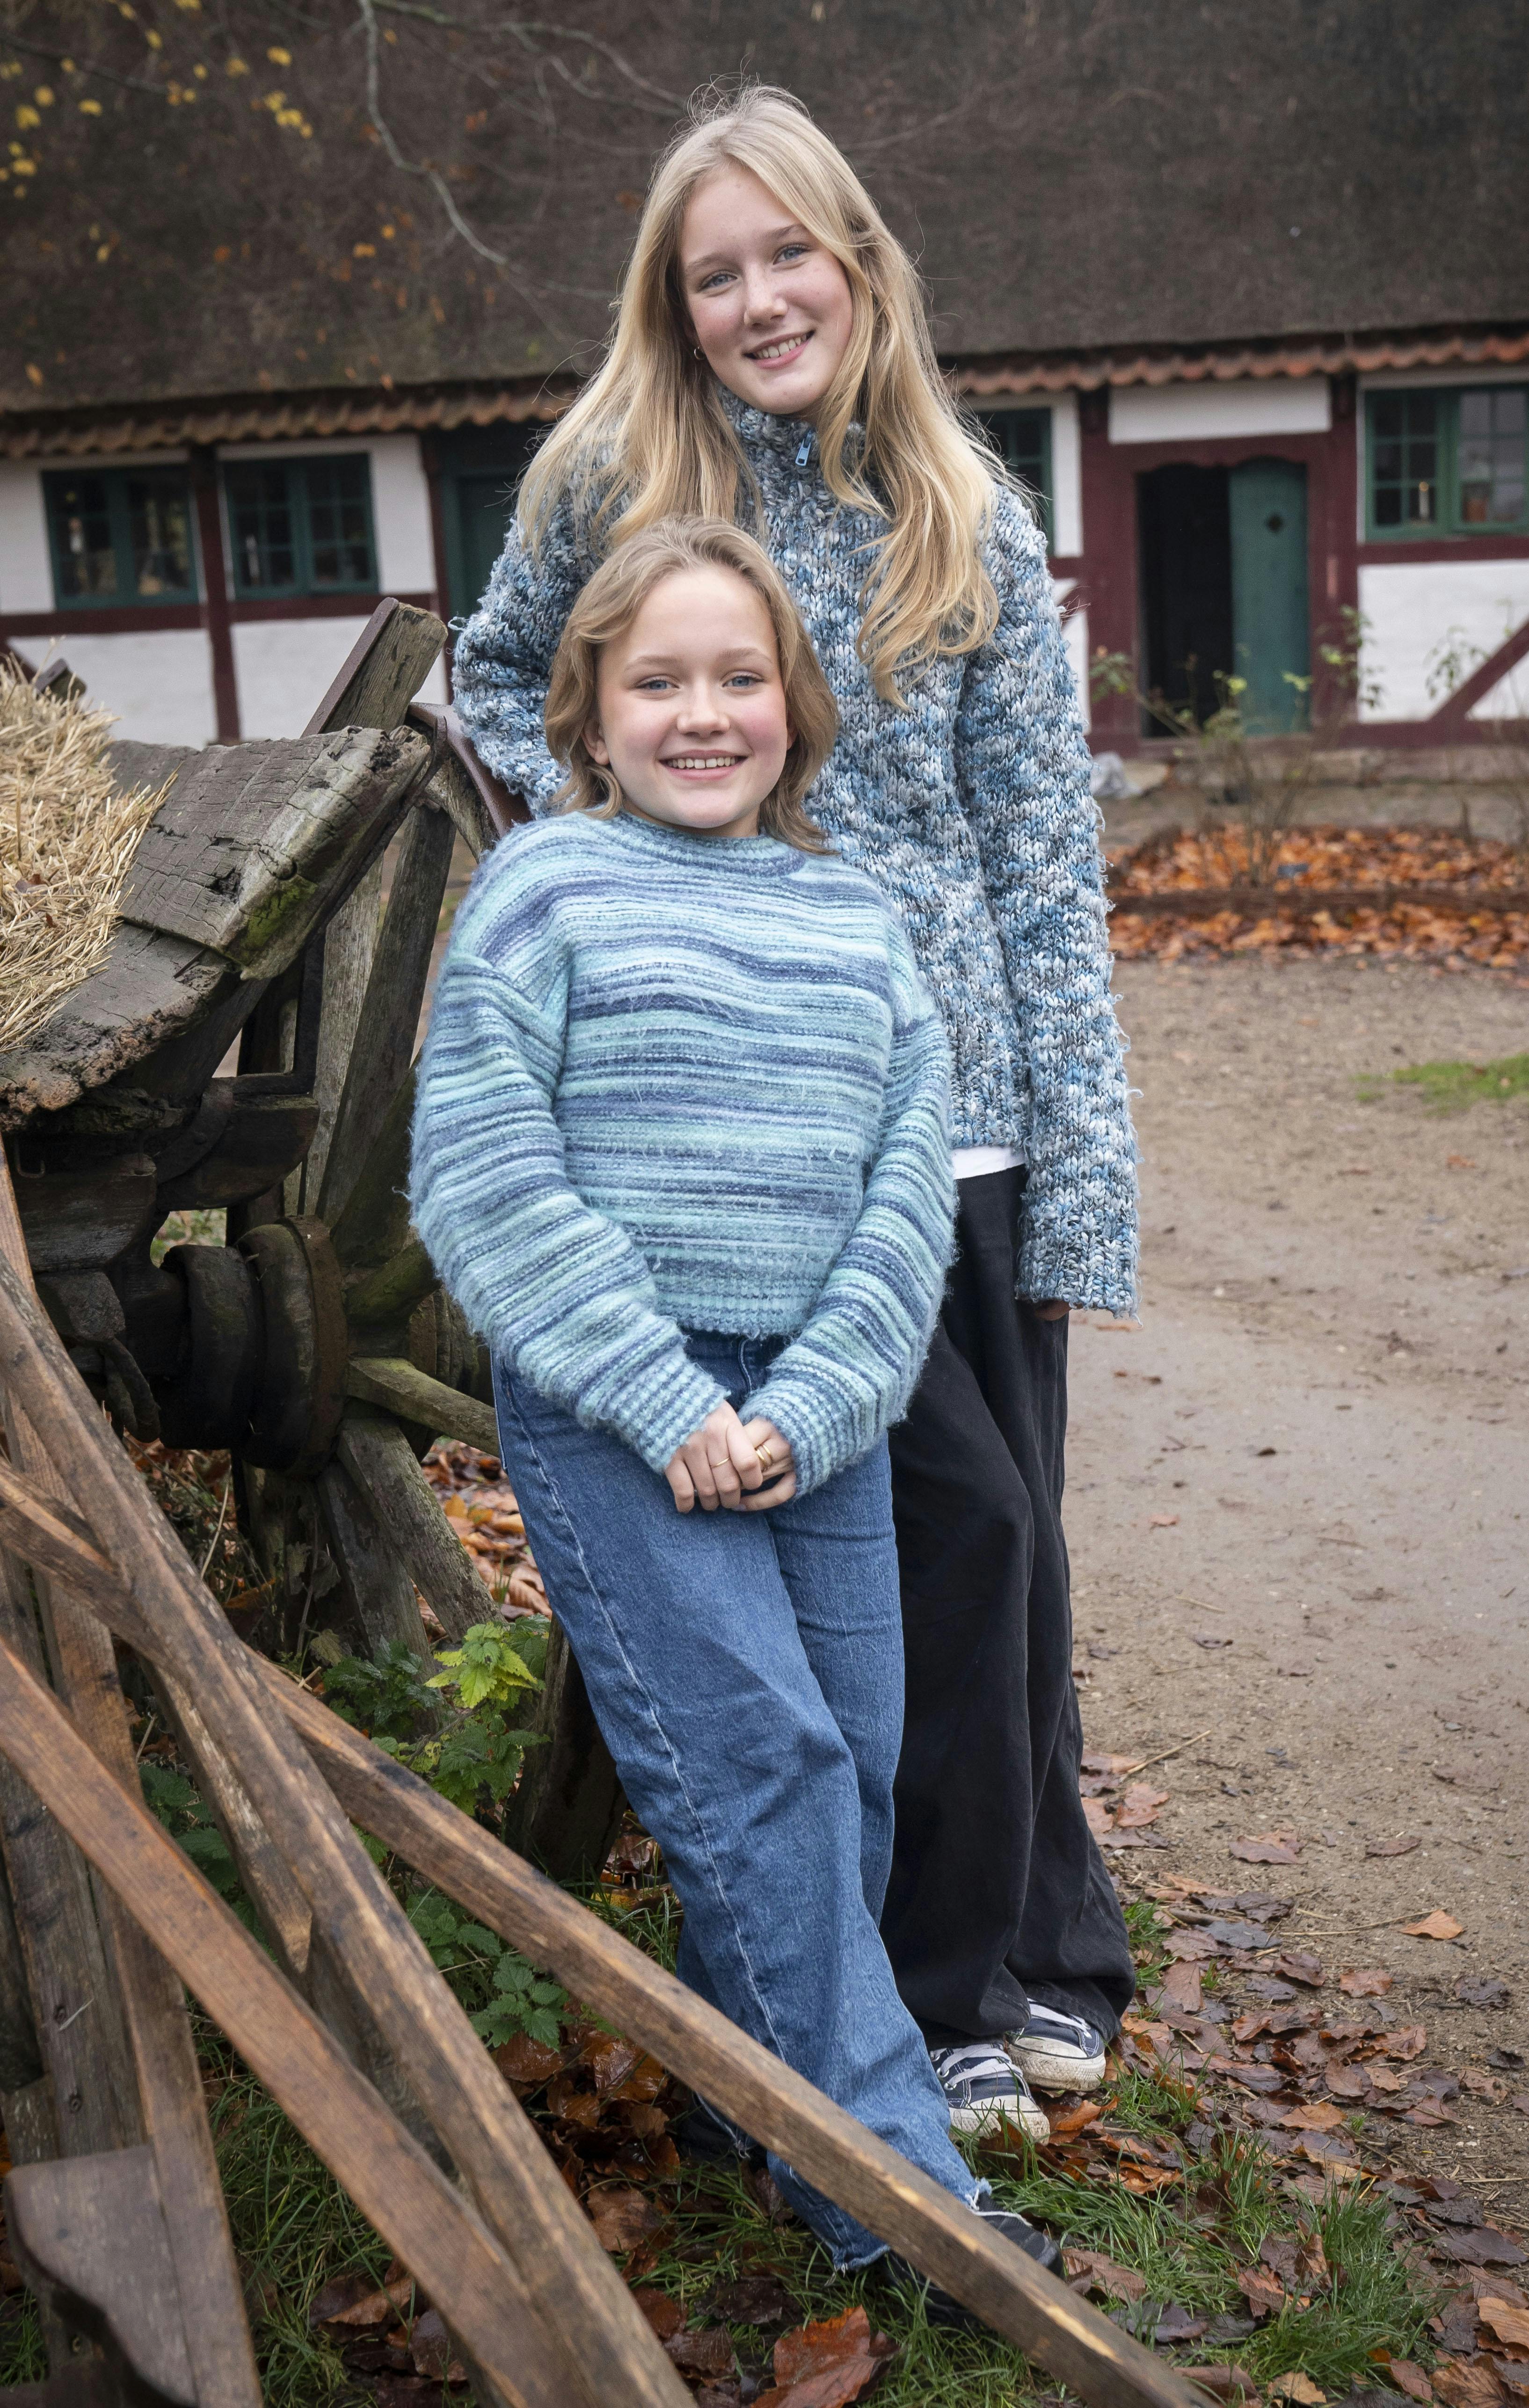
471,1751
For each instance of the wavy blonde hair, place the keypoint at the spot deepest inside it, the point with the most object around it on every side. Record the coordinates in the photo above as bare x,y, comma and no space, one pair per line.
649,438
604,612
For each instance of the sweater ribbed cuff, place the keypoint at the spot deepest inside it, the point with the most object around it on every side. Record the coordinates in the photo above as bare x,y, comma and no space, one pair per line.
659,1412
820,1443
1086,1268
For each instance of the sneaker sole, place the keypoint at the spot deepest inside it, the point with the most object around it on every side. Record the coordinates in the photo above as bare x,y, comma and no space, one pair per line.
1046,2069
1031,2121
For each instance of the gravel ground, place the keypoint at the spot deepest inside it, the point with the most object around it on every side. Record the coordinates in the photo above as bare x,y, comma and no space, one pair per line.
1312,1451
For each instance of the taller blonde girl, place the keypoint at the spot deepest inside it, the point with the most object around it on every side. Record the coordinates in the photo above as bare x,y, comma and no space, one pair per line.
649,438
770,364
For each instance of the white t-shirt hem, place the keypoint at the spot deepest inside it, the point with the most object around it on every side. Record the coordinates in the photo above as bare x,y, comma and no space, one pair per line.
976,1161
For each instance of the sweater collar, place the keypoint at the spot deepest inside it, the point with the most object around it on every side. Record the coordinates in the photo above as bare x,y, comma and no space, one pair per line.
753,855
759,431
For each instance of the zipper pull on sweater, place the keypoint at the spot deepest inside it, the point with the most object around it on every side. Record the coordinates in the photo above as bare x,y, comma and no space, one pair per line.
804,452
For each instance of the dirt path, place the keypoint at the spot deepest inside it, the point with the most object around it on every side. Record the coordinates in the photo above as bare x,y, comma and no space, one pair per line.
1327,1403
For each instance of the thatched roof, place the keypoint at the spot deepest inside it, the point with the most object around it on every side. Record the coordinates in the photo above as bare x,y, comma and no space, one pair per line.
1073,174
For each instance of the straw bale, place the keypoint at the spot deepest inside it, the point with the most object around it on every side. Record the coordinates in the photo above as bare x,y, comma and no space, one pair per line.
68,839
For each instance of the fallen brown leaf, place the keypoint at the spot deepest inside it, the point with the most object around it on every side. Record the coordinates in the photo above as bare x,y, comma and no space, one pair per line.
1486,2246
1267,1848
1297,1965
430,2347
1361,1983
1298,2388
1191,1946
1347,2080
1488,1991
622,2218
1437,1926
1408,2378
1098,1817
1408,2042
760,2299
1468,2383
1509,2324
1181,1990
1402,1847
1065,2120
664,2314
1317,2116
1103,2274
1163,1522
1264,2292
707,2353
1222,2382
528,2061
826,2365
359,2300
1141,1805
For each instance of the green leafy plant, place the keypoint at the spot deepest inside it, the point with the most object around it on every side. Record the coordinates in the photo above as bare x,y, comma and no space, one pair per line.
471,1754
178,1805
502,1993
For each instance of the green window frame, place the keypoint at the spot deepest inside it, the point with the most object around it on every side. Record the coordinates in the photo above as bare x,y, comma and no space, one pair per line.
301,527
1022,441
121,538
1447,460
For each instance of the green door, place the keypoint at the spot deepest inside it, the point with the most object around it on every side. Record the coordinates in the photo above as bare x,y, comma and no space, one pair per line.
485,506
479,468
1269,622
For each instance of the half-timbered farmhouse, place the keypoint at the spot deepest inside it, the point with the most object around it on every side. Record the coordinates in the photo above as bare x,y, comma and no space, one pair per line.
1242,293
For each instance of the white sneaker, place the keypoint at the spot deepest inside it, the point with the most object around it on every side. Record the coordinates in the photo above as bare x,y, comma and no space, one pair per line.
1058,2052
985,2088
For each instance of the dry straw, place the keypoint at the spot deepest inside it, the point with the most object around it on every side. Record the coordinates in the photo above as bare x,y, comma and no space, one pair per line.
68,839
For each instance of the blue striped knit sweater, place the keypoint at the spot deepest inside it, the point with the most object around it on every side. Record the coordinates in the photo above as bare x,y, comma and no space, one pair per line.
970,808
683,1082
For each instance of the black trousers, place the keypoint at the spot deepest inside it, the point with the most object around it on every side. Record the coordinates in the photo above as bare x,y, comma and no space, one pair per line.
998,1891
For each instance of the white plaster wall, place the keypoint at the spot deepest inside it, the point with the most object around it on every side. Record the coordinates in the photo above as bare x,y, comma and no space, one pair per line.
284,667
160,684
26,572
1191,413
1075,635
1067,478
1413,608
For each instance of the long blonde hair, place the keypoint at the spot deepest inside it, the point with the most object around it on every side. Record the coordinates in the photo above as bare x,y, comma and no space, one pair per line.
606,608
649,438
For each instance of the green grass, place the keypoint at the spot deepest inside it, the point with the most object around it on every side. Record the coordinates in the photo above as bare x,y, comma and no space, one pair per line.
294,2229
1453,1086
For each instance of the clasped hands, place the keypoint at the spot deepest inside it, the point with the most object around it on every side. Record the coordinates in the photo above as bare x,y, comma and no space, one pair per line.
746,1466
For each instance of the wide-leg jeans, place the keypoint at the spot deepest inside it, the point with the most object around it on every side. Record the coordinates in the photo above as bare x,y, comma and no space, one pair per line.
747,1672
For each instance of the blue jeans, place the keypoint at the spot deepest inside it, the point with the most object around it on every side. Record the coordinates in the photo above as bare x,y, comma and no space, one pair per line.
747,1672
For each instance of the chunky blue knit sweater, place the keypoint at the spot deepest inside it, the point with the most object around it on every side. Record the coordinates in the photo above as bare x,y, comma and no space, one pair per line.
969,808
677,1080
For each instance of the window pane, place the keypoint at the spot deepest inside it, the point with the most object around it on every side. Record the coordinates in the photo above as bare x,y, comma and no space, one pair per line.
339,522
1404,460
1020,437
158,529
260,524
1491,457
87,561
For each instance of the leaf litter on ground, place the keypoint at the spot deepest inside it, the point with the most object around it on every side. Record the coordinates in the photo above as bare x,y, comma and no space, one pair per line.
1477,930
